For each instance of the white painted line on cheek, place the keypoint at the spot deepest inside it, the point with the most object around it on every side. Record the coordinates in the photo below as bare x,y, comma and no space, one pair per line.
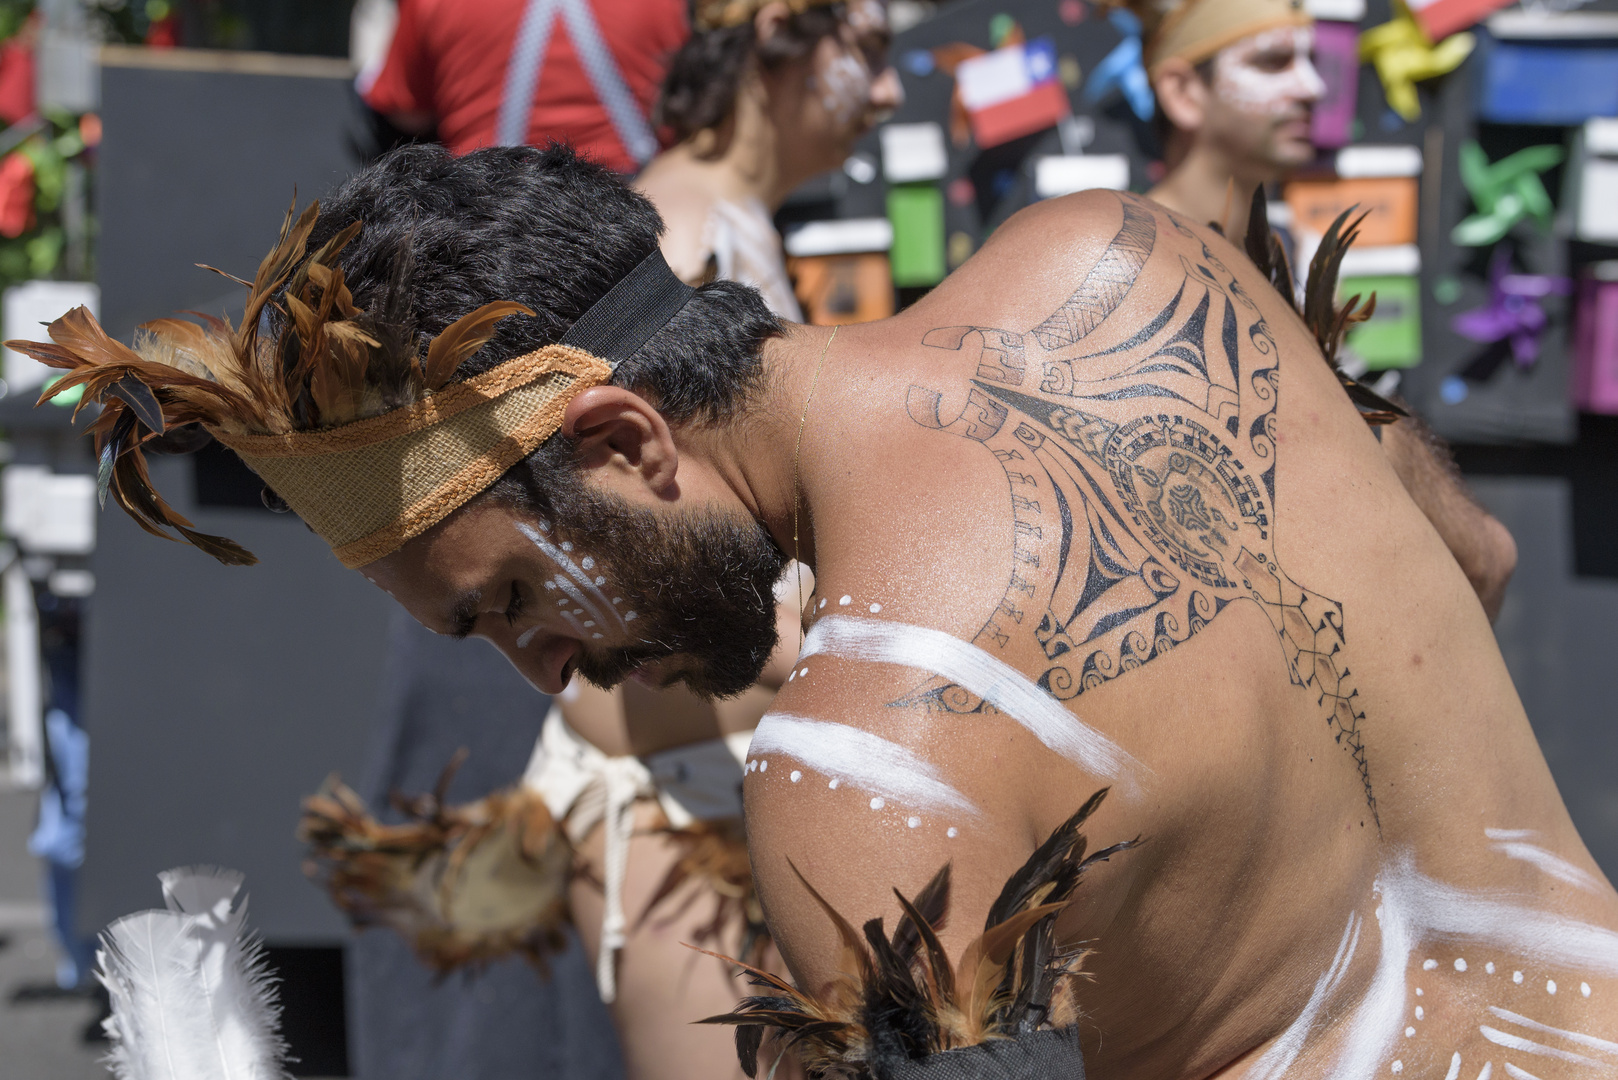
560,558
575,595
1004,687
883,768
526,636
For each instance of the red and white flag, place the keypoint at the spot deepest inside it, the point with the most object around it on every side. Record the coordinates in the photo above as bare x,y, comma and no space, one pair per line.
1012,92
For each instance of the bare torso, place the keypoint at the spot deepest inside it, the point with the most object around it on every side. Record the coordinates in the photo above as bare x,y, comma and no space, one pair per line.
1107,455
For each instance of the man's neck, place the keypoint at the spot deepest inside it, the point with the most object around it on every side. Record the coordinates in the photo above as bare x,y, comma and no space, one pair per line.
753,453
1208,185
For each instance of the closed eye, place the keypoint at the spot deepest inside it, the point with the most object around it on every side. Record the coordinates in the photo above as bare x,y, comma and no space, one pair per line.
514,606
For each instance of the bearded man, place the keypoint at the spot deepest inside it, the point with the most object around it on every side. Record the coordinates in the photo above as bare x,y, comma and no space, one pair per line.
1093,514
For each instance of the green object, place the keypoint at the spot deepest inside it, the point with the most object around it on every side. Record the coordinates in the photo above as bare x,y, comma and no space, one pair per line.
66,397
1391,338
1504,192
1000,28
917,214
1447,289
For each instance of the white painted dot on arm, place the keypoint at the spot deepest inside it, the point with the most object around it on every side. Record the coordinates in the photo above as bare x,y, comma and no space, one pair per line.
1429,965
1409,1031
1550,986
1398,1066
1489,967
1516,977
1421,1013
764,765
878,803
834,783
845,601
913,822
792,676
1460,963
875,608
952,832
1584,988
796,776
804,672
1419,991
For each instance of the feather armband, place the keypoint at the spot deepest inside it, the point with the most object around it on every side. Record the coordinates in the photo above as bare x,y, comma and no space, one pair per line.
898,1009
464,885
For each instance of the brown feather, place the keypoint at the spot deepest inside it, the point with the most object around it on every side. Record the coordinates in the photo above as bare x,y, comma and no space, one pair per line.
464,337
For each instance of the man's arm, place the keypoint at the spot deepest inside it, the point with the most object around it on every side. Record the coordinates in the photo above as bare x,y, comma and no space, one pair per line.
1480,543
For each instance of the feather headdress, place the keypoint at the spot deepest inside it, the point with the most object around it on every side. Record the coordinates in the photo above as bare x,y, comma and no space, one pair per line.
1320,312
899,999
191,996
319,406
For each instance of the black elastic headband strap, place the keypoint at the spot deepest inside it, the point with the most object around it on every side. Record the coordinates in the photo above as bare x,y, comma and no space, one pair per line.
641,304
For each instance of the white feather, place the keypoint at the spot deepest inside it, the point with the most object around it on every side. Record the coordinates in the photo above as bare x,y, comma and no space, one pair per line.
191,996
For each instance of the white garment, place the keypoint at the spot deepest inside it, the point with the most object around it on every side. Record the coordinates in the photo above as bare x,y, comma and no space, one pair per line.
746,247
583,787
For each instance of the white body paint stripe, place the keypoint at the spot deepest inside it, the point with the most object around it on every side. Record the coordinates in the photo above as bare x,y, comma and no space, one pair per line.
1529,1046
1454,1067
869,761
1579,1038
1007,689
1488,1068
1515,1073
1279,1057
1549,863
577,597
1511,834
560,558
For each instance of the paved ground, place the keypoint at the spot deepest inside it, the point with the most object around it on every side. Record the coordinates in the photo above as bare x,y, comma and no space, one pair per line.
42,1039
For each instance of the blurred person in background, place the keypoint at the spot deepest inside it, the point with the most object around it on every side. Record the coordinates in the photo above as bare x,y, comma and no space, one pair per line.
762,98
1236,86
473,73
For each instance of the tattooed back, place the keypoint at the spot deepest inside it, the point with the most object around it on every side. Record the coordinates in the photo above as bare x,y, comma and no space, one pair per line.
1096,512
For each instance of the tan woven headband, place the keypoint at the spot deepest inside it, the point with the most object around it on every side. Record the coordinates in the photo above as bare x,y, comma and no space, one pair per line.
369,486
1200,28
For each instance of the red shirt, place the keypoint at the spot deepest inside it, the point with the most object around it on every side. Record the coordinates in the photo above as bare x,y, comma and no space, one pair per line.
448,59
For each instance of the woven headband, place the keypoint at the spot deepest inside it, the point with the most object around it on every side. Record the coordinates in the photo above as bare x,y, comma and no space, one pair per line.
1200,28
370,486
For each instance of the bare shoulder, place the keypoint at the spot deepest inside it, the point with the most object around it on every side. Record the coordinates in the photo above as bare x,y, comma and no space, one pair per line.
675,186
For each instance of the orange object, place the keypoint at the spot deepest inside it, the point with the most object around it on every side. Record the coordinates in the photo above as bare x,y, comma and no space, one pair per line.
838,289
16,195
1391,201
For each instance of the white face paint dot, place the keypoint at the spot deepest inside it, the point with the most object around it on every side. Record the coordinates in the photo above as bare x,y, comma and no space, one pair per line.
578,611
1429,965
617,600
875,608
551,585
913,822
589,623
1584,988
794,675
764,766
595,637
834,783
804,672
567,545
1460,964
1489,967
1398,1066
588,563
1420,1013
1409,1031
601,581
1550,986
796,776
952,832
1516,976
822,603
878,803
845,601
629,617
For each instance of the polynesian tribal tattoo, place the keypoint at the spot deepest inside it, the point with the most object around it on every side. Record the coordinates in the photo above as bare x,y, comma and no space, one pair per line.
1142,481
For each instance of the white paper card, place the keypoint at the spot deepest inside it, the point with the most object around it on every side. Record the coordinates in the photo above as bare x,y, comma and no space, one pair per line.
26,310
913,152
1063,174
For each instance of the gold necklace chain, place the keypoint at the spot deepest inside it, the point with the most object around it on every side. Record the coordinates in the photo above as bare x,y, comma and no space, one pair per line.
796,450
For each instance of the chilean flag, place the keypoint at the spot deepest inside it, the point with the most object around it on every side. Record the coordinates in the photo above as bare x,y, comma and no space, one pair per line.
1012,92
1441,18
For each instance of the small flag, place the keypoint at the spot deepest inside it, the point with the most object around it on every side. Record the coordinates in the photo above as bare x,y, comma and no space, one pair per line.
1441,18
1012,92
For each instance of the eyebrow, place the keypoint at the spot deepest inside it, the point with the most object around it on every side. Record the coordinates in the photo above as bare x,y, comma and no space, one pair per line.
464,615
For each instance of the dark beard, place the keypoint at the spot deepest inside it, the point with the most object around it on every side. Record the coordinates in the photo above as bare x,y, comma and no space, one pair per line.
702,586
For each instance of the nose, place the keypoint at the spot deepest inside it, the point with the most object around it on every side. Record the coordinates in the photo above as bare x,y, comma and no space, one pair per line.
887,92
1314,87
546,660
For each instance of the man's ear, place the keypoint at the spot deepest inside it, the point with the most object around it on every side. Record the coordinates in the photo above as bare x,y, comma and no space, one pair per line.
1181,94
620,430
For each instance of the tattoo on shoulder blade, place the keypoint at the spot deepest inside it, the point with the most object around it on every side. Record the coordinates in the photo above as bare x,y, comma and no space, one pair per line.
1141,476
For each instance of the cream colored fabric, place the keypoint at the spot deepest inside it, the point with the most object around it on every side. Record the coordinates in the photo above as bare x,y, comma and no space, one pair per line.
1197,29
583,788
746,248
370,486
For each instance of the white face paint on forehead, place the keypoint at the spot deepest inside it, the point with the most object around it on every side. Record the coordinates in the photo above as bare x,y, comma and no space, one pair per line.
844,87
1242,80
867,16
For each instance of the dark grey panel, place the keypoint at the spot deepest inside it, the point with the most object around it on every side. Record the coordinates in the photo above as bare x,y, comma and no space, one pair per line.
1559,634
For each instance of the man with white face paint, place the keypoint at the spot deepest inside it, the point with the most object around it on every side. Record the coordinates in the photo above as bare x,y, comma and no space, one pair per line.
1235,85
1092,514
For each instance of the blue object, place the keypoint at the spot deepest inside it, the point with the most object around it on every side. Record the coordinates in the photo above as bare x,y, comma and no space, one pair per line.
1452,391
1548,82
1121,69
59,839
919,62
